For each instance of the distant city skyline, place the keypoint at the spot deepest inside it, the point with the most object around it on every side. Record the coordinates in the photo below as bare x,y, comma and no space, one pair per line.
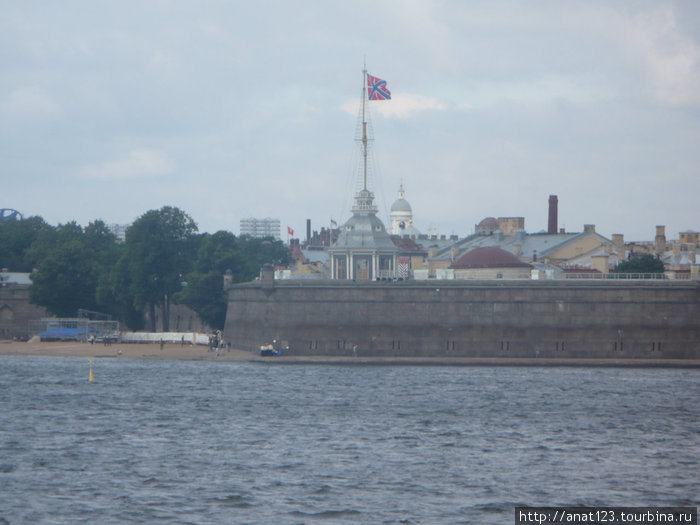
235,110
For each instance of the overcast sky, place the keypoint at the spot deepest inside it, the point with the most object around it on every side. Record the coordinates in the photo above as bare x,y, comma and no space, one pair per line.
232,109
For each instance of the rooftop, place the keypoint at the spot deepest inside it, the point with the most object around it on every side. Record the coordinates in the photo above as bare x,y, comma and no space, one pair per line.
488,257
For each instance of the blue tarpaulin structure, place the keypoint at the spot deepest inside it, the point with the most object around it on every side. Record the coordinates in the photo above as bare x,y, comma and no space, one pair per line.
65,334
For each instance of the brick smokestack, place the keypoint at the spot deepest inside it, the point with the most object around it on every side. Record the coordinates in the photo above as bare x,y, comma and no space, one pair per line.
308,231
553,212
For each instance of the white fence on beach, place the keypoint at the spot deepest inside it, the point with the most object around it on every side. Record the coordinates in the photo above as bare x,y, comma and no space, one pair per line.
194,338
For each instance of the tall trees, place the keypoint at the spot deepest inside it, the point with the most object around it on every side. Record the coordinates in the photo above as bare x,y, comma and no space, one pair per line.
157,256
15,239
258,252
163,260
70,263
217,254
204,291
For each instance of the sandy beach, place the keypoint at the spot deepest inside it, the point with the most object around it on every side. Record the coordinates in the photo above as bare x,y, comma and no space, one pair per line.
195,353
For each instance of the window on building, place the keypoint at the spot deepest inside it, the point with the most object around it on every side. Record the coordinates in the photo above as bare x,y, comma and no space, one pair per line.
386,262
340,267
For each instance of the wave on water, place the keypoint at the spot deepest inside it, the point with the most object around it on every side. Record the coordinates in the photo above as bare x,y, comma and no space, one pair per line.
208,442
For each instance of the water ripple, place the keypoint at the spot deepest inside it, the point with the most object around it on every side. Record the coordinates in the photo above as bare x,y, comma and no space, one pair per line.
202,442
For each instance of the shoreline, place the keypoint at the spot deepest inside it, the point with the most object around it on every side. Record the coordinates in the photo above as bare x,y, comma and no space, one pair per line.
201,353
119,351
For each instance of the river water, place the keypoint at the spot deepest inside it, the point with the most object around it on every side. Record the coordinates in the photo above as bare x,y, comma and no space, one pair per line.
213,442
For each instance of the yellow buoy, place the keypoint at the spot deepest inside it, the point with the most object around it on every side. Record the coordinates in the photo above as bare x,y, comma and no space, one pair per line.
90,377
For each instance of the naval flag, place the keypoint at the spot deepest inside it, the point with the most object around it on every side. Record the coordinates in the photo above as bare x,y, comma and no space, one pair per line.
376,89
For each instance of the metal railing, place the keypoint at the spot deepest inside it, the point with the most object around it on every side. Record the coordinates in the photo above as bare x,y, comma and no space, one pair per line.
390,275
618,276
80,329
393,275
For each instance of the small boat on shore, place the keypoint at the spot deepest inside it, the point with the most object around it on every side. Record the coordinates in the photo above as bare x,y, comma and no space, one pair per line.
269,350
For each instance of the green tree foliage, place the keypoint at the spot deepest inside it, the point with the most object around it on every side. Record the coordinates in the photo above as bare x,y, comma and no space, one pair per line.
71,261
162,259
646,263
217,254
258,252
113,293
203,291
158,253
16,237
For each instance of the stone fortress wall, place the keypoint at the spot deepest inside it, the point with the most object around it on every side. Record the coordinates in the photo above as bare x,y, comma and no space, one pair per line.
16,311
505,318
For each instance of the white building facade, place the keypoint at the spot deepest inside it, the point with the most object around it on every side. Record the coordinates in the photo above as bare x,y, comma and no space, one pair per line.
259,228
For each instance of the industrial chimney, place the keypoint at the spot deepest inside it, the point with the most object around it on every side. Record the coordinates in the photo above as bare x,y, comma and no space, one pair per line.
553,210
660,239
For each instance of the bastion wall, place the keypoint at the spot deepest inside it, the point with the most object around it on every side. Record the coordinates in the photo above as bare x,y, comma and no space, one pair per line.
16,311
517,318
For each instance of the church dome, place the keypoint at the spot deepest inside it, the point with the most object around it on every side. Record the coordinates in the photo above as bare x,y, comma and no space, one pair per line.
401,204
489,222
488,225
401,216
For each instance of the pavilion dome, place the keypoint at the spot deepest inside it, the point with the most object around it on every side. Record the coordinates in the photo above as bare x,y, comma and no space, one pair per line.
364,230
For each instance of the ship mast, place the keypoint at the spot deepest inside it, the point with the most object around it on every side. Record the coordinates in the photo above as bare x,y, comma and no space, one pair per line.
364,198
364,126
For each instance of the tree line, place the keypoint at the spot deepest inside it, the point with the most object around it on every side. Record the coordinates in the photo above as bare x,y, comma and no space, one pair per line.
163,260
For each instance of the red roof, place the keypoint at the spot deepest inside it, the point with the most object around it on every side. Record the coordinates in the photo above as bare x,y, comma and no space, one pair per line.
406,244
489,222
297,254
489,257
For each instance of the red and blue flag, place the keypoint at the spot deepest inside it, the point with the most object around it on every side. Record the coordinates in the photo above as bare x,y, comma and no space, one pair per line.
376,89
